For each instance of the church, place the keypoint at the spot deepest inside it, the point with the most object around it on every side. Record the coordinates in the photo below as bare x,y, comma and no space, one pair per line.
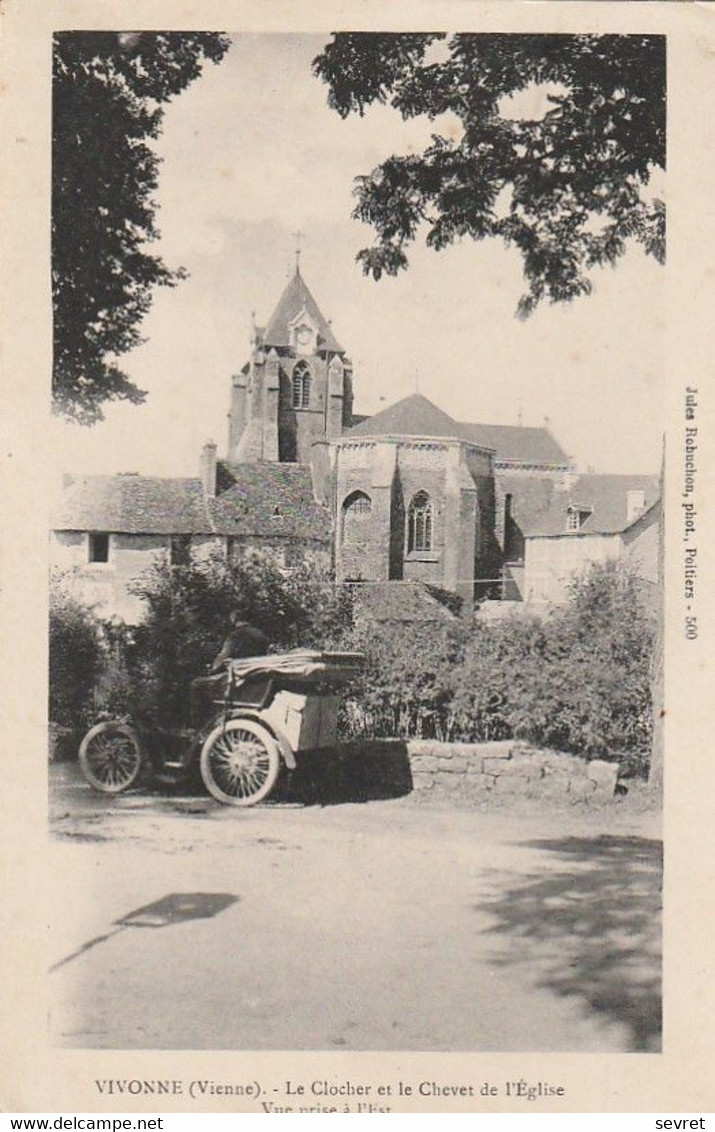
410,495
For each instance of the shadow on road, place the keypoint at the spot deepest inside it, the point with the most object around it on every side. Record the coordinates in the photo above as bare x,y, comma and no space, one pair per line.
588,925
354,772
174,908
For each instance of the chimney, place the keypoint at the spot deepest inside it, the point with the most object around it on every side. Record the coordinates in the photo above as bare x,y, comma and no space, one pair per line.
207,469
635,504
568,477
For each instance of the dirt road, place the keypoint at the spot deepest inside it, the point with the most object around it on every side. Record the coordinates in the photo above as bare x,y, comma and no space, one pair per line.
382,925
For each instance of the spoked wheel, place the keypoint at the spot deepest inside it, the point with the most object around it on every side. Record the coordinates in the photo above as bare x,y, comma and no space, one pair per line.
240,762
111,757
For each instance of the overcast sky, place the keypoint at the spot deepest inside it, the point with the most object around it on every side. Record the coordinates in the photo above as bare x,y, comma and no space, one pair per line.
251,153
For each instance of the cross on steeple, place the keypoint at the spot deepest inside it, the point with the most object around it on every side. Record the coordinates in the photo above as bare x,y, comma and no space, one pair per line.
297,236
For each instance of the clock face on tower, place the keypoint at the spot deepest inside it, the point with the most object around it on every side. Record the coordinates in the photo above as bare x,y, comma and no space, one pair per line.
303,333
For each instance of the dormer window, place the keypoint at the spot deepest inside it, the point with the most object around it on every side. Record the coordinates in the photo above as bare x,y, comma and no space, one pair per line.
576,517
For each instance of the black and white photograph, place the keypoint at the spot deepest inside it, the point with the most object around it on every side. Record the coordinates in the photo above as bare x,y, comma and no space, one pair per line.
357,467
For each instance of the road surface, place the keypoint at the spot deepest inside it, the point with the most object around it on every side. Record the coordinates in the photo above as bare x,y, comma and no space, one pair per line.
390,924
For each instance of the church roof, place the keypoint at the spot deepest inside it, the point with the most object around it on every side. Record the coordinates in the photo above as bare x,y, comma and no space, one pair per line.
515,442
412,416
294,299
272,501
417,416
604,496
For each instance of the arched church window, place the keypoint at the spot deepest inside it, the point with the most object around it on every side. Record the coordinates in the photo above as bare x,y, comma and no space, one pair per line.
301,386
357,507
419,523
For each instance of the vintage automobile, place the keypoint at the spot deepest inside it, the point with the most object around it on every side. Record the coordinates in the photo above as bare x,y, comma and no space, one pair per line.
245,723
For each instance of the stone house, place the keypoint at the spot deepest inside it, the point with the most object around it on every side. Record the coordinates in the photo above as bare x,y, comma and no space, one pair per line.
594,518
110,529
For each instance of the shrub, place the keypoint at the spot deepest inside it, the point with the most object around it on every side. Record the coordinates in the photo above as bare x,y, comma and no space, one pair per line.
577,679
187,620
405,689
75,657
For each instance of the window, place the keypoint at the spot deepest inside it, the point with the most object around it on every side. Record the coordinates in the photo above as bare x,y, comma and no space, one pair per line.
301,386
356,509
419,523
98,550
180,550
576,517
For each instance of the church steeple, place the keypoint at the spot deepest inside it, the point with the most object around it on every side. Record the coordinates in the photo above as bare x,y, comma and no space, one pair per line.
307,396
285,321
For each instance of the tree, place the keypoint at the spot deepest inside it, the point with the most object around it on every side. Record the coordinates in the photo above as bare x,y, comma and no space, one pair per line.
108,92
566,189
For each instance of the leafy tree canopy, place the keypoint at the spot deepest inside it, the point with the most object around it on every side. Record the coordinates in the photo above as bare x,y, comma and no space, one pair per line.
108,92
566,189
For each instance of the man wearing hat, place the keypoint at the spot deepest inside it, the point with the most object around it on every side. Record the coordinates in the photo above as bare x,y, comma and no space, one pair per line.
243,640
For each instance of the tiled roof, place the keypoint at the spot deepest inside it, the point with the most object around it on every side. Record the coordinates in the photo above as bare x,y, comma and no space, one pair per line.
605,496
514,442
273,500
530,495
267,500
132,505
412,416
294,299
417,416
400,601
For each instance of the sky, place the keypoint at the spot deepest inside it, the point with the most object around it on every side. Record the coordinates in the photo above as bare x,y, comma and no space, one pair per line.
251,154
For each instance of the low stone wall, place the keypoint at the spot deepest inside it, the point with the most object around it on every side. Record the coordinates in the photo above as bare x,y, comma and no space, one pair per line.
508,768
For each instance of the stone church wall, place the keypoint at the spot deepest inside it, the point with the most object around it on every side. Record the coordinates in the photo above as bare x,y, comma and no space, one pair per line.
419,470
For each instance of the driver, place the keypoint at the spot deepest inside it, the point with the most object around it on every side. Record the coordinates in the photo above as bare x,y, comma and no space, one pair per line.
243,640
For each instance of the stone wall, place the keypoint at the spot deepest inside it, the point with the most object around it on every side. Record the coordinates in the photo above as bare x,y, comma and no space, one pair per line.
508,768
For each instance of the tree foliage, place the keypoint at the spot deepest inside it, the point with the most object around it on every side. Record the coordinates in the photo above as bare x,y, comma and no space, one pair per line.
108,93
568,189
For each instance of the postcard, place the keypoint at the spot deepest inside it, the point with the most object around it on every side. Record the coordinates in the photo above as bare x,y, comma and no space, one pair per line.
356,590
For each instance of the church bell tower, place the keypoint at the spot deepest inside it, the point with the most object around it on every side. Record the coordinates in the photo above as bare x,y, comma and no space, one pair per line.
296,388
